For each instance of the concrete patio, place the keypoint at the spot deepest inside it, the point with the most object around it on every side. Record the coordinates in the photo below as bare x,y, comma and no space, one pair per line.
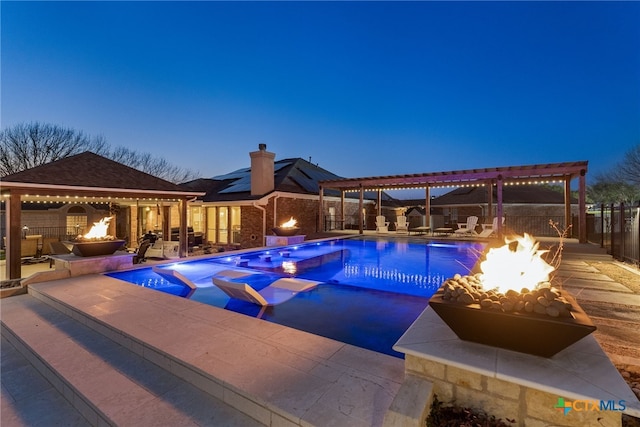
96,351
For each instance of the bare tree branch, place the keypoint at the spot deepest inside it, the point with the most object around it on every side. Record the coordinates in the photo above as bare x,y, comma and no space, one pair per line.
629,169
25,146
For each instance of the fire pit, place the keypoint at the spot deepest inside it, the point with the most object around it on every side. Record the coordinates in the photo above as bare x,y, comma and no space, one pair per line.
105,247
287,228
96,242
535,319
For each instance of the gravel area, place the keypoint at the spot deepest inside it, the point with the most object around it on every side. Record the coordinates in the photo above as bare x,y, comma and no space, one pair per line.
622,275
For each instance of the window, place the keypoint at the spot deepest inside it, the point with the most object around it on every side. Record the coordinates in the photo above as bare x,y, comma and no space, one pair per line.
223,224
212,228
235,224
76,221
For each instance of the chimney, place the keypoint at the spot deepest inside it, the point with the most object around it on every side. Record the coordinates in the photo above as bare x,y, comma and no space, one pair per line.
262,171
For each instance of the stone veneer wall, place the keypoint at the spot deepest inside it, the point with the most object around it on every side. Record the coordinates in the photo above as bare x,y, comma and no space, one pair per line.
527,406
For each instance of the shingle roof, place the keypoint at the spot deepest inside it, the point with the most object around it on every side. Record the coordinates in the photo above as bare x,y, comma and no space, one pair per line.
294,175
91,170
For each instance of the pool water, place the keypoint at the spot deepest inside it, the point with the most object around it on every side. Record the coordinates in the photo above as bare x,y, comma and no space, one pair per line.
371,291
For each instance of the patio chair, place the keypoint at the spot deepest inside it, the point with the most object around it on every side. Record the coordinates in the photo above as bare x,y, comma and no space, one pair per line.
469,227
156,250
57,248
140,255
382,225
276,293
402,225
489,229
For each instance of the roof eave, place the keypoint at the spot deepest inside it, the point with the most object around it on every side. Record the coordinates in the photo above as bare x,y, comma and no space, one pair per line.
25,186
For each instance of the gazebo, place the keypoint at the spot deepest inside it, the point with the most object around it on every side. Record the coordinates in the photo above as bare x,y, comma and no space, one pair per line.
494,179
86,178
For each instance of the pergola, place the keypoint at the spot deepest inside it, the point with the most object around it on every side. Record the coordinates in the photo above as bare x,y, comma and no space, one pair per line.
494,179
85,178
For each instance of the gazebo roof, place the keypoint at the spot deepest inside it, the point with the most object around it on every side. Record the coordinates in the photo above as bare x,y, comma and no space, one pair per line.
509,175
87,174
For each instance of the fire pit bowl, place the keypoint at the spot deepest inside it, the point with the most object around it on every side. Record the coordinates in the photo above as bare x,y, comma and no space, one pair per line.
531,333
96,248
285,231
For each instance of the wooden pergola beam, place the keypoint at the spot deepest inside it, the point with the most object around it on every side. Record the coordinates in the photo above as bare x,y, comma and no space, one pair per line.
516,175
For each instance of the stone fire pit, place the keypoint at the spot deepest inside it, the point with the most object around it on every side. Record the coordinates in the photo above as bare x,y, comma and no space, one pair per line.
511,304
96,242
285,231
287,228
96,248
541,322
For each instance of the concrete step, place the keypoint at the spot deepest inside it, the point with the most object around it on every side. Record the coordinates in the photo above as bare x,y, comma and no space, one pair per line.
27,398
105,382
274,374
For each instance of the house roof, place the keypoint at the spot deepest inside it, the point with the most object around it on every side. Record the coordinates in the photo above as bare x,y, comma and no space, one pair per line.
90,173
294,175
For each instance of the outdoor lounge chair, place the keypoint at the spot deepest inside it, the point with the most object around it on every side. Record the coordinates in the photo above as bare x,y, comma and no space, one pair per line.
469,227
156,250
402,225
382,225
140,255
175,277
488,230
276,293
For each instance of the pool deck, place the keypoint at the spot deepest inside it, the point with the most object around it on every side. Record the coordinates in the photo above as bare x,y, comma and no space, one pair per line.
93,350
85,333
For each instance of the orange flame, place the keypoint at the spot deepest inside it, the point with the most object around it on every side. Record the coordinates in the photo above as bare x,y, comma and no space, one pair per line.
289,224
99,229
521,267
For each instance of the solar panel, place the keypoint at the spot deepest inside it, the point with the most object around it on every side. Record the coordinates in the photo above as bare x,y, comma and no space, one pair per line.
278,166
304,182
319,174
240,173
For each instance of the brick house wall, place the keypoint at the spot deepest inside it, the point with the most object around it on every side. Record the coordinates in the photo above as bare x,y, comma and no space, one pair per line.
303,210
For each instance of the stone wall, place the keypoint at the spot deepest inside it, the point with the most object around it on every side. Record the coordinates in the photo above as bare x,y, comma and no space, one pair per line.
527,406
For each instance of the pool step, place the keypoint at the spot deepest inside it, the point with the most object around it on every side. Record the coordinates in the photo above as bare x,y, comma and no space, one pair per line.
105,382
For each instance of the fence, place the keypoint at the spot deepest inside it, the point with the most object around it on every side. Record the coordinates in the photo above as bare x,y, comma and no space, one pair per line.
537,226
616,228
62,233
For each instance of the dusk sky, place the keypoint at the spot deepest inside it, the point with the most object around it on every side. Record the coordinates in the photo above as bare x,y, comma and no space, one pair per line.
361,88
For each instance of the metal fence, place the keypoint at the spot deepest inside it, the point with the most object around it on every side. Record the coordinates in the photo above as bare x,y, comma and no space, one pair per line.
534,225
616,228
61,233
538,226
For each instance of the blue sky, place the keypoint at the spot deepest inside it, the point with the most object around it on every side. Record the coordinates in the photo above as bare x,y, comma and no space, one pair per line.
361,88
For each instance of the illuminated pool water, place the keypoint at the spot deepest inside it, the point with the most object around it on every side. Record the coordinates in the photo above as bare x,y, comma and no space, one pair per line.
371,289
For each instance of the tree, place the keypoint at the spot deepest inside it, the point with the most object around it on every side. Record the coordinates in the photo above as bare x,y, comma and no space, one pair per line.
152,165
622,184
609,191
28,145
628,170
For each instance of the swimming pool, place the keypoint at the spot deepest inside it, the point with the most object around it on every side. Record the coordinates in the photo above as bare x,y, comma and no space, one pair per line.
371,289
